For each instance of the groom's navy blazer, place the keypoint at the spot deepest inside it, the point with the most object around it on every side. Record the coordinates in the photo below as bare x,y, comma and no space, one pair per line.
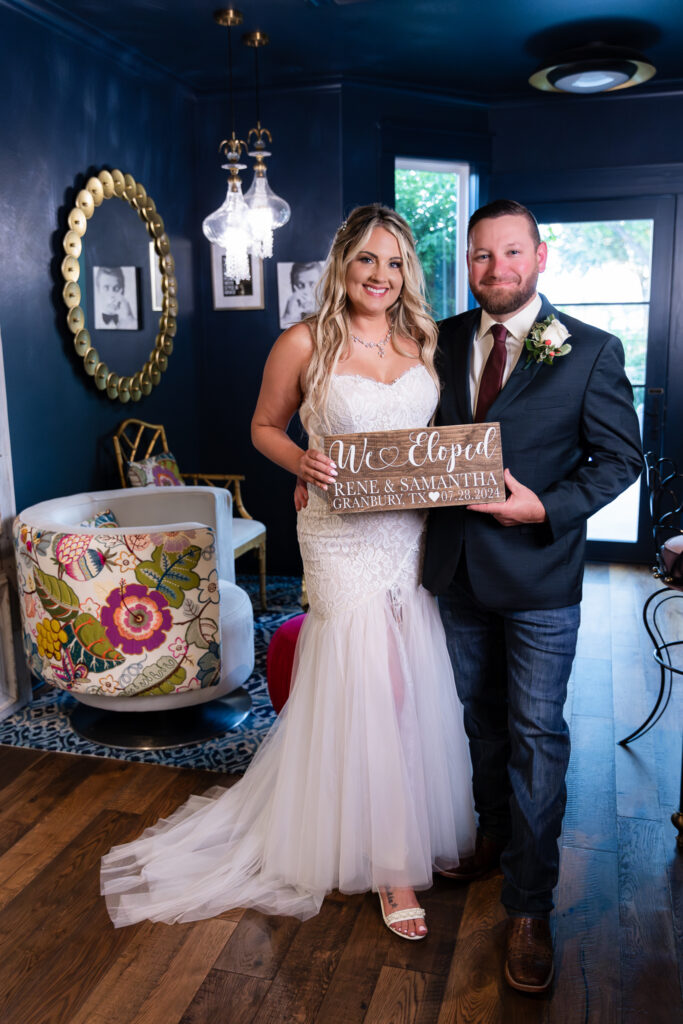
569,432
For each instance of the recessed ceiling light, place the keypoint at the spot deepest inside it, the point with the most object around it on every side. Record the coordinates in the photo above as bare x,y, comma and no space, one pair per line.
595,68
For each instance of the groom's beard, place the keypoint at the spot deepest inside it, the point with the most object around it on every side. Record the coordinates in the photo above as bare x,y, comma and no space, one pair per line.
496,299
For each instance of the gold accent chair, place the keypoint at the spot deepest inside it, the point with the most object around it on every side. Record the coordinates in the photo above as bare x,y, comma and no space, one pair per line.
135,440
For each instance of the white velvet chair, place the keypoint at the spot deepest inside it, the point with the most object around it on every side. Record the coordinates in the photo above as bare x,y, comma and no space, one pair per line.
140,617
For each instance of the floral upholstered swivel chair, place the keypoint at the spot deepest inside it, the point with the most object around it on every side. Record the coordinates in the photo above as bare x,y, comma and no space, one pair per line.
143,458
128,598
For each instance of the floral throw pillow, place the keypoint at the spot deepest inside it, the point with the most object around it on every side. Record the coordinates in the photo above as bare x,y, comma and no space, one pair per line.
158,470
104,520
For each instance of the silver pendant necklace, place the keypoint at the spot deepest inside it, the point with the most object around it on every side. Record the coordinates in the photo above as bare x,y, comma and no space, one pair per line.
379,345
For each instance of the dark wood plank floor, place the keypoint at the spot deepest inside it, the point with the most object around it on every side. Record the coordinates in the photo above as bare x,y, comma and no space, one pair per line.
618,925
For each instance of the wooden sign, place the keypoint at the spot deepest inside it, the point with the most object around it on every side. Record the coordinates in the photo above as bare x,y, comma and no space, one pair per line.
427,467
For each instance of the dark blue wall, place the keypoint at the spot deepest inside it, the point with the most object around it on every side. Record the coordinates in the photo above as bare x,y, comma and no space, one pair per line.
380,124
554,133
66,110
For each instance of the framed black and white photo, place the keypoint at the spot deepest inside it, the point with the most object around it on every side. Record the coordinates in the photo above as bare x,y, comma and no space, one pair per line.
155,278
296,285
231,294
115,291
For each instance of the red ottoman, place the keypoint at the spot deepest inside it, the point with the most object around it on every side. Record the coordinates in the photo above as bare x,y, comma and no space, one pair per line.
280,660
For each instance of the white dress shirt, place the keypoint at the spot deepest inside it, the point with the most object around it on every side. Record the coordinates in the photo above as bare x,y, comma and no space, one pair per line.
518,327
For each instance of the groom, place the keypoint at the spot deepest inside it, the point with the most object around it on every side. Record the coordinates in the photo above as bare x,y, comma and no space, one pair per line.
509,575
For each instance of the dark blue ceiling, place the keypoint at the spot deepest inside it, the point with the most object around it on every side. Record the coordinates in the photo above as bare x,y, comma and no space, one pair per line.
470,48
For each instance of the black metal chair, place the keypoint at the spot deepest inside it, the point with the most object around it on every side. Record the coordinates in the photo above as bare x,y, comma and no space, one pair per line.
665,487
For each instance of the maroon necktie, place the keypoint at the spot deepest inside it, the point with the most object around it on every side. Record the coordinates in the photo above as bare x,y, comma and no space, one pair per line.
492,377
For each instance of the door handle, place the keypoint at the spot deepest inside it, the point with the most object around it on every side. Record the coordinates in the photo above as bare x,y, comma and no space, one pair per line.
653,417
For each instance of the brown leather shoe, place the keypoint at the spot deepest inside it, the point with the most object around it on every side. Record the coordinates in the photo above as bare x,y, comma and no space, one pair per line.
529,954
485,858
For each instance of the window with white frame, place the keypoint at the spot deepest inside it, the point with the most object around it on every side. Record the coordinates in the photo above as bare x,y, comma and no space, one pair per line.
433,196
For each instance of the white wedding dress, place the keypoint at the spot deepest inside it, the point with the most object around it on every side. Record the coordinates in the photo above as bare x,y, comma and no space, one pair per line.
364,781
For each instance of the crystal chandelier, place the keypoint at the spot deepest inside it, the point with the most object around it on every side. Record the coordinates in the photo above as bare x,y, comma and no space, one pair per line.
267,211
229,225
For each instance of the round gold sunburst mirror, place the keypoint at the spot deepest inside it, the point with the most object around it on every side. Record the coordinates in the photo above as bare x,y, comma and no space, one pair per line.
115,314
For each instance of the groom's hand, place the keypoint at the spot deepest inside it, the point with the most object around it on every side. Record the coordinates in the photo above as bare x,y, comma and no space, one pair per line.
300,494
521,505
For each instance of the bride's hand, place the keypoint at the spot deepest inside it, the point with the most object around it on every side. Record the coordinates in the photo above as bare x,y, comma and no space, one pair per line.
316,468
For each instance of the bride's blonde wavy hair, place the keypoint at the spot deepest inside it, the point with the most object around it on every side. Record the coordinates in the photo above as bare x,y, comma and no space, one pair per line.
408,317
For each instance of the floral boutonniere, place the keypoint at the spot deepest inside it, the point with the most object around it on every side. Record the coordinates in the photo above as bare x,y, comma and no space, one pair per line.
547,340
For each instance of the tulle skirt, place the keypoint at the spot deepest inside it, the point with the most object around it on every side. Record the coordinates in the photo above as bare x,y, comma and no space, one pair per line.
363,782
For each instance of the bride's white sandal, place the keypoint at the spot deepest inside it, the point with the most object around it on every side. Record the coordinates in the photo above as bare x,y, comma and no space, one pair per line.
411,913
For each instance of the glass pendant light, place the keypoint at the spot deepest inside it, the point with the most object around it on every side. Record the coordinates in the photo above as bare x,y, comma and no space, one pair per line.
267,211
229,225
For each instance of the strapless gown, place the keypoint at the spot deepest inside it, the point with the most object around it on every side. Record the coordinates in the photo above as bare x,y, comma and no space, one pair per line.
364,781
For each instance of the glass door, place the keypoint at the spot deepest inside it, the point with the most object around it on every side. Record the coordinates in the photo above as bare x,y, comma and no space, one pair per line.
609,263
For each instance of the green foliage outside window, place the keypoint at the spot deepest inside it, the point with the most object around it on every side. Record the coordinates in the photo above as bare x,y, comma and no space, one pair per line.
595,243
429,202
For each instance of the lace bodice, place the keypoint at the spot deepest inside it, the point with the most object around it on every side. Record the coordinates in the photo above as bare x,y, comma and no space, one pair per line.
358,403
349,558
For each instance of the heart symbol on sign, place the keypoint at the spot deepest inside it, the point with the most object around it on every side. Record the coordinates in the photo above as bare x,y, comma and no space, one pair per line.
433,495
388,456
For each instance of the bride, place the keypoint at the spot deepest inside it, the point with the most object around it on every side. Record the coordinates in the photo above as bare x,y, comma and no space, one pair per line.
364,782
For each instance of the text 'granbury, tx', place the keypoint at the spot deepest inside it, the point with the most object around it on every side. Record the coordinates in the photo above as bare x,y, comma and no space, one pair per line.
427,467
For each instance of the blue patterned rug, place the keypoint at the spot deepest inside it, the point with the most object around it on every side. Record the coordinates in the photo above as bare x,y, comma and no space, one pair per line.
45,725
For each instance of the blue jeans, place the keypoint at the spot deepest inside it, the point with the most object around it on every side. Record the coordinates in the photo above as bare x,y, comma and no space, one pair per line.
511,671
